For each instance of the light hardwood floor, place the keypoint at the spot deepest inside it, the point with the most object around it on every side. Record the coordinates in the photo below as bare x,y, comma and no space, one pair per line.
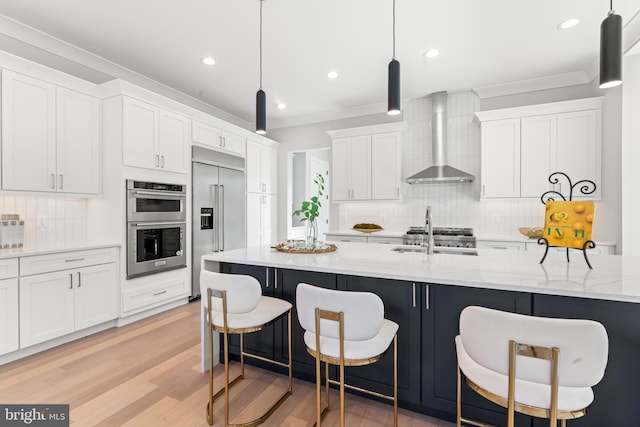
147,374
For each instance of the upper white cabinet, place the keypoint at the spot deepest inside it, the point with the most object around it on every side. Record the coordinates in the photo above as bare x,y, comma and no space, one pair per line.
366,162
218,139
50,137
261,166
154,138
522,146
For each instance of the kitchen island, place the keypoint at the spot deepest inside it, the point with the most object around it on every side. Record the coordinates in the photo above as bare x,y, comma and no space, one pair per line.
425,294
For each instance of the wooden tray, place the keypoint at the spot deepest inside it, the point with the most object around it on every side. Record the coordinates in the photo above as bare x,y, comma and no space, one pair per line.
285,247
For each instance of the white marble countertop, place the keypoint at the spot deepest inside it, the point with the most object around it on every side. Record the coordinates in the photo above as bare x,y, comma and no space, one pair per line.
613,277
30,250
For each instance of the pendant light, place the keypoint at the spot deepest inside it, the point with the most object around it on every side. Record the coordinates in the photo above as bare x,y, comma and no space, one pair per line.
261,104
611,50
393,96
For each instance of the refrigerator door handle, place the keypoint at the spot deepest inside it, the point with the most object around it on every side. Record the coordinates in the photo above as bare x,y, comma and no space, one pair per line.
221,214
215,189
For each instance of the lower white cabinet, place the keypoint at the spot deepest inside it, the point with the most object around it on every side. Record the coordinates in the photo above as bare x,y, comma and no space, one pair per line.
60,302
500,245
9,325
261,219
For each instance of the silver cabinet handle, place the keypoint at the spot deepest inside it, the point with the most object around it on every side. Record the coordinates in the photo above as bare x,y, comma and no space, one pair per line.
73,259
70,280
483,187
160,293
60,181
157,160
267,278
275,278
79,279
499,247
224,141
53,181
398,192
414,294
426,297
162,162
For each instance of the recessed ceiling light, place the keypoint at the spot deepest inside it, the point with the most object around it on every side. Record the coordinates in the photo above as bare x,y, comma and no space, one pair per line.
332,74
432,53
569,23
280,106
207,60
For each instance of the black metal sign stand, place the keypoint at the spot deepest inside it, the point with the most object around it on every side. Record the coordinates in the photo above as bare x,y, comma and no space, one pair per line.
586,187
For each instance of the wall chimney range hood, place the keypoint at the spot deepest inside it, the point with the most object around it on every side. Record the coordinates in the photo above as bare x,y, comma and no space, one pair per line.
440,172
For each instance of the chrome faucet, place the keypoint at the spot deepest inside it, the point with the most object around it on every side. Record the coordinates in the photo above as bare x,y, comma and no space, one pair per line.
428,228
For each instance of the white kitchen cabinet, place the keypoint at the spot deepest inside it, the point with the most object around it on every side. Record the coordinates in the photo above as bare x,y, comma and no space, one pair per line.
385,240
503,245
154,138
9,302
522,146
218,139
366,162
500,158
261,219
262,168
385,166
351,165
333,237
50,137
72,296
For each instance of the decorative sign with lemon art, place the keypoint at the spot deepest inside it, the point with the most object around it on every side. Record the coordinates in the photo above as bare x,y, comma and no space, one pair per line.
568,224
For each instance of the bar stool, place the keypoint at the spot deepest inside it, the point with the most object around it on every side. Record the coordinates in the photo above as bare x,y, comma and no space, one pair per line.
235,305
345,328
558,361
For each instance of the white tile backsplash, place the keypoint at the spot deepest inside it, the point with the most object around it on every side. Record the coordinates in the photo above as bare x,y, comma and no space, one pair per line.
48,220
454,205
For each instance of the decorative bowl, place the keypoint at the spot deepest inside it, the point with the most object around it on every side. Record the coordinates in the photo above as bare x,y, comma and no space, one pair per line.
531,232
365,227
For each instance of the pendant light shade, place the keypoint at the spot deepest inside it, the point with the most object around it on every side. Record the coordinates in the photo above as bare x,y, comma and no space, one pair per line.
261,103
393,95
611,50
261,112
393,99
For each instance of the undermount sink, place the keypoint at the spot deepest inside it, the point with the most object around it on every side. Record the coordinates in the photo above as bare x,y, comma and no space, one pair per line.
436,250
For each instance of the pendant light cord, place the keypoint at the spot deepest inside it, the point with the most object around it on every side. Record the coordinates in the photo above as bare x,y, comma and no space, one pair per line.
394,30
261,1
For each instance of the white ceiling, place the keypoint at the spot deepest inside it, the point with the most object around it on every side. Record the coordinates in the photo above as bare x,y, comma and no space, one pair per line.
481,43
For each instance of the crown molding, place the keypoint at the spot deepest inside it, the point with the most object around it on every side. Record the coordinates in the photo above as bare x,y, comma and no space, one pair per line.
531,85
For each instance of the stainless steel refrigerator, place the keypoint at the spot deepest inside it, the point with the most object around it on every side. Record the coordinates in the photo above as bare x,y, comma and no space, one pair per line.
218,211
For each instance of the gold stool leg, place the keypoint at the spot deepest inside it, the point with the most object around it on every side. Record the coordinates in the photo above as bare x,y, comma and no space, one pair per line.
395,381
458,402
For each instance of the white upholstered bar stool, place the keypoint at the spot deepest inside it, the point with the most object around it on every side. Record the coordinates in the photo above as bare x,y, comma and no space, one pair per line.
537,366
345,328
235,305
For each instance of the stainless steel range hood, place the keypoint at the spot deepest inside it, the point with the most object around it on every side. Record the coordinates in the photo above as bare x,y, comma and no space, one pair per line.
440,172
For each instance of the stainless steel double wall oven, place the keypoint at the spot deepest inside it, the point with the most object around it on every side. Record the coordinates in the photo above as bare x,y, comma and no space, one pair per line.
156,227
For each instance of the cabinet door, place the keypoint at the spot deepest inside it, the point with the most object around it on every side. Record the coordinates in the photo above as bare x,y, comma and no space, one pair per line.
288,280
268,219
173,137
140,126
233,143
96,295
28,133
538,141
401,305
205,134
340,182
385,166
269,170
615,396
360,167
439,363
9,321
254,213
253,164
578,149
46,307
78,143
500,158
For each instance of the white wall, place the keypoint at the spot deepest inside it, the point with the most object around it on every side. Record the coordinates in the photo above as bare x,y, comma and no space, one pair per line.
630,154
458,205
62,219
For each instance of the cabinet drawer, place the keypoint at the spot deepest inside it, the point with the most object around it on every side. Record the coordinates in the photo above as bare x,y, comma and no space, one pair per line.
8,268
65,260
500,245
385,240
346,238
144,297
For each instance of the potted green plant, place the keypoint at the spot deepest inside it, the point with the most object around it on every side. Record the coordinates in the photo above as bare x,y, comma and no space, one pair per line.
309,210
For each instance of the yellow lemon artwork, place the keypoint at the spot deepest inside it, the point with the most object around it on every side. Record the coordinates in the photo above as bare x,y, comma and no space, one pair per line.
568,224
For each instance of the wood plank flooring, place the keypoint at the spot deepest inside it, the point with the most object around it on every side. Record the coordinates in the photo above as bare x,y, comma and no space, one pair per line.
147,374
